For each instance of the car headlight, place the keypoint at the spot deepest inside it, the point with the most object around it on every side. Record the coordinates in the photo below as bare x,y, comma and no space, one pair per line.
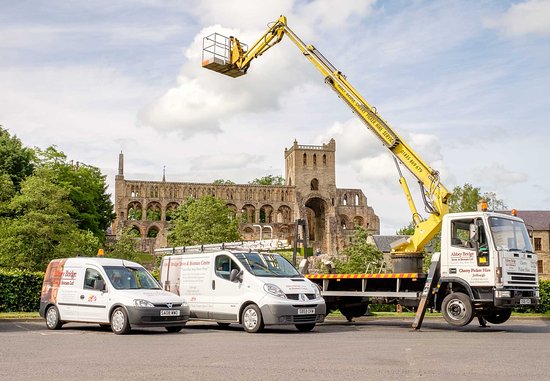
274,290
142,303
316,290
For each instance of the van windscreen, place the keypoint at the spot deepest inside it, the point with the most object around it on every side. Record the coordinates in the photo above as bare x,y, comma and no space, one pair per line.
267,264
130,278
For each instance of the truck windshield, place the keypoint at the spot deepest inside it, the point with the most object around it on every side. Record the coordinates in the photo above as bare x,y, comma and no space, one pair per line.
267,265
509,234
130,278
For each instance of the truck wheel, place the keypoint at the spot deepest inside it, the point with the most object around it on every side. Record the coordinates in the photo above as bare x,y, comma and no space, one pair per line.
457,309
252,319
499,316
119,321
305,327
351,309
52,318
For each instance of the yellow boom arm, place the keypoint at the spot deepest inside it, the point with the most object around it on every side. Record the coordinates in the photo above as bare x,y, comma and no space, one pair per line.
434,194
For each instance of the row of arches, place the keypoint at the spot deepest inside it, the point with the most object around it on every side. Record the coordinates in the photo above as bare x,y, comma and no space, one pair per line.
350,199
249,213
255,193
349,223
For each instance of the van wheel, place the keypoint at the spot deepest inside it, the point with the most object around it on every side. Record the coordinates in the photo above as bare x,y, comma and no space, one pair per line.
119,321
499,317
252,319
457,309
174,329
305,327
52,318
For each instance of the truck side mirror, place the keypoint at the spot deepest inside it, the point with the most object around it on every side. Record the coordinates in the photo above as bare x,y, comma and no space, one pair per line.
99,285
235,275
473,232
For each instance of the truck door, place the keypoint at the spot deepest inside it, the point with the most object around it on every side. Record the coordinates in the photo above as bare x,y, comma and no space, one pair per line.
226,295
93,298
469,253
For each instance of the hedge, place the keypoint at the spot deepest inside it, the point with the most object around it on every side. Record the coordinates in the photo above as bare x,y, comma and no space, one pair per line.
20,290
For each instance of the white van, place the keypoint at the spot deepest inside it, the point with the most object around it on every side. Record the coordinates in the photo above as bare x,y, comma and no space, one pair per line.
108,291
251,288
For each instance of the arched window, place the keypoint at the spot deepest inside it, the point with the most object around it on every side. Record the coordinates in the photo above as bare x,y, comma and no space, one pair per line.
153,232
305,159
324,159
315,184
314,159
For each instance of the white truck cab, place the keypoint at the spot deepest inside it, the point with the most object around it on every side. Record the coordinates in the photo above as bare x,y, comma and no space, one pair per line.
110,292
251,288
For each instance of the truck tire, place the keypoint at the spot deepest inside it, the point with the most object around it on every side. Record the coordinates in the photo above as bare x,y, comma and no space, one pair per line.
252,319
119,321
457,309
53,320
498,316
352,308
305,327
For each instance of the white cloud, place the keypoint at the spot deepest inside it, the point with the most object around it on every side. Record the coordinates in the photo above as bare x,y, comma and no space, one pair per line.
528,17
496,176
335,13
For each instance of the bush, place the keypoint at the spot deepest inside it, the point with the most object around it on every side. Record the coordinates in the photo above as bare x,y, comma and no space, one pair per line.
20,290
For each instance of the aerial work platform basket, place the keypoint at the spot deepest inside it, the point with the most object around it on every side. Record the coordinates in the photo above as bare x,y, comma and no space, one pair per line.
216,55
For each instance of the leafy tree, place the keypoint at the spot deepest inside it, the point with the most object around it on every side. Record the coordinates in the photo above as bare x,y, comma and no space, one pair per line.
406,230
223,182
268,180
93,209
203,220
360,255
125,247
15,160
42,228
464,199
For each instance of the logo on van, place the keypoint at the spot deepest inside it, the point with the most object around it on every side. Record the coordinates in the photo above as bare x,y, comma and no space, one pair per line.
303,298
169,305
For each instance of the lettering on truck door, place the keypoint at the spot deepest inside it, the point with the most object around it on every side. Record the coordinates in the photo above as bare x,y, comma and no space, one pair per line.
469,253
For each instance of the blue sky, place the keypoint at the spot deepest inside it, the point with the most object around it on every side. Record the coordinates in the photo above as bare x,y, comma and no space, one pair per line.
464,82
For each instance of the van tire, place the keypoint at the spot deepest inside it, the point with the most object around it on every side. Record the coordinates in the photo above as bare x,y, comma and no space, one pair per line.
52,318
119,321
305,327
457,309
252,319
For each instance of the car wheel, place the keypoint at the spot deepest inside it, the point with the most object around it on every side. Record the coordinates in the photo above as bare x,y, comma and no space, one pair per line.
119,321
174,329
252,319
457,309
52,318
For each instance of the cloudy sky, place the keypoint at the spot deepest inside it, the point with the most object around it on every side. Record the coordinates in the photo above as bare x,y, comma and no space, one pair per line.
466,83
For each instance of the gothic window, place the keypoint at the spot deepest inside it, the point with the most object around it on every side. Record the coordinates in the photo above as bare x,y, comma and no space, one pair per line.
315,185
345,200
325,159
153,232
134,211
356,199
134,232
314,159
305,159
153,212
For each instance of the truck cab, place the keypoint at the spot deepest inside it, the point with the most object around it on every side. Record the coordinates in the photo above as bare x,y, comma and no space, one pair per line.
487,267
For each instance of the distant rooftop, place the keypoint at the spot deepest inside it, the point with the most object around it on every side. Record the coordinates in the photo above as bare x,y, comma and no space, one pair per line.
535,219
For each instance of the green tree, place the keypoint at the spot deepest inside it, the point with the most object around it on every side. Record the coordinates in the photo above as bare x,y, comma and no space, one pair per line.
15,160
93,209
223,182
125,247
41,227
464,198
406,230
360,256
268,180
203,220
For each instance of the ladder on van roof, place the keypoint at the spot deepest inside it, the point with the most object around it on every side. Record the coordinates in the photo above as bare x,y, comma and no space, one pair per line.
261,245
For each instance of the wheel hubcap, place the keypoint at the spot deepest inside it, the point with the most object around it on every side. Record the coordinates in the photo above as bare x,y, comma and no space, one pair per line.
118,321
250,319
456,309
51,318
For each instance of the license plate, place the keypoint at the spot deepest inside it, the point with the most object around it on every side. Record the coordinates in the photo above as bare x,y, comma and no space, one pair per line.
525,301
169,312
306,311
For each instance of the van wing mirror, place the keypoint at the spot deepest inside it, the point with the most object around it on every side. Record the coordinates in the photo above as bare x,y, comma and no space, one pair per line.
99,284
236,275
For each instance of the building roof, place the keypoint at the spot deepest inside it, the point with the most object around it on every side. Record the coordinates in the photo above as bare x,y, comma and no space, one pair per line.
383,242
534,219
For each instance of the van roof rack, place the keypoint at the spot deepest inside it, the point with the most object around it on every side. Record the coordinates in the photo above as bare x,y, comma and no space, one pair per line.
261,245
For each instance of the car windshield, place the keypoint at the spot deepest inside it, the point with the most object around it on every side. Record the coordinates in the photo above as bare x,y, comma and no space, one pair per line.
509,234
130,278
267,265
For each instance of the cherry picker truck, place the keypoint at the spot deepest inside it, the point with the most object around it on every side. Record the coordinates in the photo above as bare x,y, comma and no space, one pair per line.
486,265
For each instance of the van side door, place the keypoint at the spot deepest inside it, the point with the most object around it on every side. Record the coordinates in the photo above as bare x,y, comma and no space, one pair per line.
226,295
94,296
